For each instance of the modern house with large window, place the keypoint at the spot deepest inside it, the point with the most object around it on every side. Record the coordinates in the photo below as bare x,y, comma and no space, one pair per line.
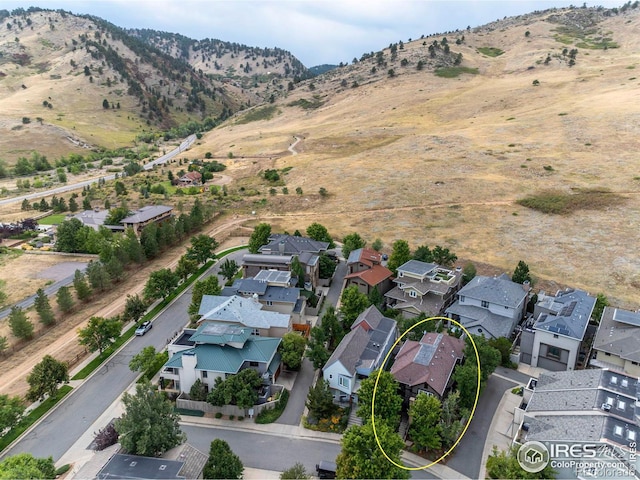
553,339
423,288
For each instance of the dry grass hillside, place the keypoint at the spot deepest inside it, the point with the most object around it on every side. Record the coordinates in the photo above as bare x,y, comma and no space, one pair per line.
443,160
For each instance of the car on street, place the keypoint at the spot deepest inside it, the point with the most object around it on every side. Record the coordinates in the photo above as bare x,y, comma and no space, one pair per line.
143,328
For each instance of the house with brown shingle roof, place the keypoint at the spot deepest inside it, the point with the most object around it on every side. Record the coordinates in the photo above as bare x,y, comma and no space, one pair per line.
365,269
427,366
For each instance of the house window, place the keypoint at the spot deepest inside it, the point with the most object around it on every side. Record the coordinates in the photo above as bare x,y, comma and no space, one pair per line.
555,336
635,363
413,294
485,304
204,374
400,274
253,364
607,354
343,381
255,332
461,298
553,352
269,303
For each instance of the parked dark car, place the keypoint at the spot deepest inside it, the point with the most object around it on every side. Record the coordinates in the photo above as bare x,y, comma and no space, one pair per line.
326,469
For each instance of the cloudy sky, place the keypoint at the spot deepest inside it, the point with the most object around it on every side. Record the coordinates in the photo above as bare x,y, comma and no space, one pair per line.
315,31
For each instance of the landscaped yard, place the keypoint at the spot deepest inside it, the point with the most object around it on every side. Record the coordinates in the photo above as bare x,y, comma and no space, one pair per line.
54,219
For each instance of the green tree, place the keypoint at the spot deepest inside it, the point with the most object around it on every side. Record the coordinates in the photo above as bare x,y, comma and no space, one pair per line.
297,271
292,349
376,298
332,327
120,190
149,425
98,276
186,267
503,345
116,214
132,246
114,269
11,410
425,415
208,286
466,377
259,237
326,266
601,302
45,377
4,344
82,288
196,216
442,256
319,233
64,299
222,462
521,273
377,245
400,255
100,333
160,284
198,391
148,361
20,325
202,248
240,389
45,312
451,424
468,273
504,464
149,241
316,350
361,457
320,400
228,269
67,236
423,254
25,465
134,308
388,401
352,303
297,472
351,242
73,205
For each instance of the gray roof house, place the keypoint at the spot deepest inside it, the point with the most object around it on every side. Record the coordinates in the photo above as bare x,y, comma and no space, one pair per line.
490,306
273,289
360,352
247,312
617,343
583,406
281,244
145,216
423,287
553,338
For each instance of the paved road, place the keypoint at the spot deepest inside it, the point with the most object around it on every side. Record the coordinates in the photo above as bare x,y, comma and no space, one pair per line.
75,186
67,423
270,452
295,406
467,456
49,290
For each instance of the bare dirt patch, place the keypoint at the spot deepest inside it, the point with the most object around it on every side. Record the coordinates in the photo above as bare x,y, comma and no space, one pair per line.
25,273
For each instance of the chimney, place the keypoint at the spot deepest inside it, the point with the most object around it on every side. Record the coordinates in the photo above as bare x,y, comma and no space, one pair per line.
281,247
526,285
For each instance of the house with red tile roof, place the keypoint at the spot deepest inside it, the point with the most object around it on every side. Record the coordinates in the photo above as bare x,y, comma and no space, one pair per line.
190,178
427,366
365,269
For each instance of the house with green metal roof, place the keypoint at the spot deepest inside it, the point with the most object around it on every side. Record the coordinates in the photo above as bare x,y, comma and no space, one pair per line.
217,350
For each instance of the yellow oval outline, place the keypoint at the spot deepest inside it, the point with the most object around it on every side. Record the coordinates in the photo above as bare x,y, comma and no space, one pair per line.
375,388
